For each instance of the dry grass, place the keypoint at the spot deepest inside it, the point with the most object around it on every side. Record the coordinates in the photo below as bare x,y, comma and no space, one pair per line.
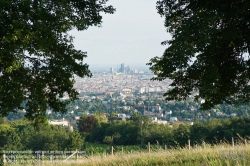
218,155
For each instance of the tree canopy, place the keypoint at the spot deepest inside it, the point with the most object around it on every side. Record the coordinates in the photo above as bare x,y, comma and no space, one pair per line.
38,61
208,52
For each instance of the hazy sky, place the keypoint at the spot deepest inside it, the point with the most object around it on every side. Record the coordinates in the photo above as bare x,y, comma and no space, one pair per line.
132,35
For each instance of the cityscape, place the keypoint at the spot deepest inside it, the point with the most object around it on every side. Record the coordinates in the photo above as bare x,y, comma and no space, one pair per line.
125,90
124,81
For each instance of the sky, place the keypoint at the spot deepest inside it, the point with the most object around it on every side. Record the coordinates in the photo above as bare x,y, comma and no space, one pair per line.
132,35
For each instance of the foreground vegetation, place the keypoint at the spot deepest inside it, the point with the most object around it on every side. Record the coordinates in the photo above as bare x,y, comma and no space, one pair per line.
222,154
168,144
218,155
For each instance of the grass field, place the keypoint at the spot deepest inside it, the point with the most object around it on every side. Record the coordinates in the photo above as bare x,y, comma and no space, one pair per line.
220,155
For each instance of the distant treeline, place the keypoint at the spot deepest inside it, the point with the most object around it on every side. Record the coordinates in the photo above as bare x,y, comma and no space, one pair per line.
141,130
23,135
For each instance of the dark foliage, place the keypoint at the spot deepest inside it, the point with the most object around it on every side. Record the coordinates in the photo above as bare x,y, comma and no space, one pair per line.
208,52
38,61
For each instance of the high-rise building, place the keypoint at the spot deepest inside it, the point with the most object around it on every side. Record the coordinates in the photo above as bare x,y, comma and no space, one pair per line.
122,68
111,70
128,69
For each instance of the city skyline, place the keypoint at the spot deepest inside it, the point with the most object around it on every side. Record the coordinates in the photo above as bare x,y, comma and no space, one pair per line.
116,68
132,35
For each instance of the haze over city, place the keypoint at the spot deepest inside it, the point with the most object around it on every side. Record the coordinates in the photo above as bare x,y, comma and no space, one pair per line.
132,35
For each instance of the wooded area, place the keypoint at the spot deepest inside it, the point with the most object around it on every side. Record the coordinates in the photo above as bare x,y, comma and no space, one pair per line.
22,135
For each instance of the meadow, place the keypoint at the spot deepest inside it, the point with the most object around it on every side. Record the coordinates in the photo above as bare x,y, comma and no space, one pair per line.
206,155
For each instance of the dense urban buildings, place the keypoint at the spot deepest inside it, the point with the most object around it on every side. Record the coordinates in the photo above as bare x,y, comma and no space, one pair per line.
125,81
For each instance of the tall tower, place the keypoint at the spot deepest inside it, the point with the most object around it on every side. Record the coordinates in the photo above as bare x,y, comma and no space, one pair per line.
122,68
111,70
